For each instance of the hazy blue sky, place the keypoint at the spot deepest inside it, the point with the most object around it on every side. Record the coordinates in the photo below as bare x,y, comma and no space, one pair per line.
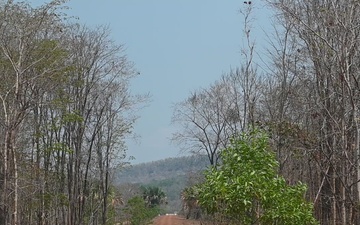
178,46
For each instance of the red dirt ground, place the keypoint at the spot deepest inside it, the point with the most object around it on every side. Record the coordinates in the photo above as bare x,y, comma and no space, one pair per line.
173,220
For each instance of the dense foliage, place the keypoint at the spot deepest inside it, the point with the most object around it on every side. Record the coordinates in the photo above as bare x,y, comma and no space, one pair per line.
246,188
153,196
143,207
138,212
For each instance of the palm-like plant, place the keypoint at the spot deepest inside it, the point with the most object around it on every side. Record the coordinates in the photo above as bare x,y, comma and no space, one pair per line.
153,196
189,198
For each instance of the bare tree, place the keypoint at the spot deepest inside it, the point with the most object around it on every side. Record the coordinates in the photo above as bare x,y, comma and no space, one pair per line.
206,119
210,117
97,119
329,34
287,103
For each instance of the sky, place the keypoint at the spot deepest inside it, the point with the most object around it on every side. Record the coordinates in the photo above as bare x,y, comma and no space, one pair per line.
178,46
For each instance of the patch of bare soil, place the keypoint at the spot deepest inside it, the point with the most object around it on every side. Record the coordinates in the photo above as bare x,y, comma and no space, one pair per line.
173,220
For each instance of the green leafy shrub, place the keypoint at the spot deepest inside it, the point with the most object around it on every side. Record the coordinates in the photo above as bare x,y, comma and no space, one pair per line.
138,212
246,188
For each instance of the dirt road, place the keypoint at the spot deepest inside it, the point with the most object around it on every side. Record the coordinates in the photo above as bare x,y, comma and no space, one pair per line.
173,220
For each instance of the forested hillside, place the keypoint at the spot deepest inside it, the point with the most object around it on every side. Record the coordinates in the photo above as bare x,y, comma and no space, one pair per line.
160,170
172,175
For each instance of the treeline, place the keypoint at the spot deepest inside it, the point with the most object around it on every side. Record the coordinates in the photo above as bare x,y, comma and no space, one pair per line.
65,111
306,96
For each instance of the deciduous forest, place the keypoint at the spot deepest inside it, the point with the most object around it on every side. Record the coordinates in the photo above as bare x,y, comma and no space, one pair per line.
306,97
285,127
66,109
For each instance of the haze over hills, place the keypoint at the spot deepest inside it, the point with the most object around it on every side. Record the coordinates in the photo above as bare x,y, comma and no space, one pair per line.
161,169
171,175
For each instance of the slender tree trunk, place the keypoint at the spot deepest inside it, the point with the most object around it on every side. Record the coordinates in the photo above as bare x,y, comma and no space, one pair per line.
357,160
5,198
16,188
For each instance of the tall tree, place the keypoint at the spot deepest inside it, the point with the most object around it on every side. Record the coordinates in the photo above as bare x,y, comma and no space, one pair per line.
25,48
66,111
327,34
211,116
208,119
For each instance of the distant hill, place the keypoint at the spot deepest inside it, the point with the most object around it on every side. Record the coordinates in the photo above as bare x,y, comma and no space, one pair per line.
171,175
162,169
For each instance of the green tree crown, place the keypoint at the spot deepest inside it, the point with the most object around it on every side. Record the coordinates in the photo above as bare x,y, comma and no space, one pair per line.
247,189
